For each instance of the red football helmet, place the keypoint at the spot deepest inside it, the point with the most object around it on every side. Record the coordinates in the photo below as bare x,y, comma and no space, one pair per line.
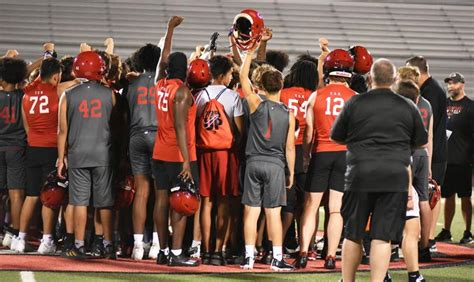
339,63
124,193
199,74
362,59
54,192
434,193
184,198
247,29
89,65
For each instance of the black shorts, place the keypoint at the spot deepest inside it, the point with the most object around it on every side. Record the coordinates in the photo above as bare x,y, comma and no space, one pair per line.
92,184
40,161
420,170
295,195
458,181
166,173
264,185
12,169
141,152
438,172
388,215
326,171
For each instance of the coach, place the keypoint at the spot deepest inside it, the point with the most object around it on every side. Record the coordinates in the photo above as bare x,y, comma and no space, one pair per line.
380,129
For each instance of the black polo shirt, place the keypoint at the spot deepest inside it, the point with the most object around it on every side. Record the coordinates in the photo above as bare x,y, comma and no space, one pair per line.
461,125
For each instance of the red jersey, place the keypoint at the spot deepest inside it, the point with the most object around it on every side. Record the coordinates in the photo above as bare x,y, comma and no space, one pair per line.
328,103
40,104
296,99
166,144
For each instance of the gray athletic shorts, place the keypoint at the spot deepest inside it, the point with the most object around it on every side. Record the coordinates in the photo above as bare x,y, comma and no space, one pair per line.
12,169
420,169
141,152
91,185
264,185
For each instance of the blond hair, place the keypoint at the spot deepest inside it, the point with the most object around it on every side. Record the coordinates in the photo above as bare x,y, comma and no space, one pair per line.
409,72
258,72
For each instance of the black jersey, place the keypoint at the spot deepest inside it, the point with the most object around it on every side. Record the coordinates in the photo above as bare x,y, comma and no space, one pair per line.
461,126
12,132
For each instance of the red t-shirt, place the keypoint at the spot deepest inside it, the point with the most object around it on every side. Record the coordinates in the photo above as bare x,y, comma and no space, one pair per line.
328,103
296,99
166,144
40,104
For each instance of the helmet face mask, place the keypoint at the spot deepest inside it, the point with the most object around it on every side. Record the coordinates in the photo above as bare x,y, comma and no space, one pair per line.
54,191
247,29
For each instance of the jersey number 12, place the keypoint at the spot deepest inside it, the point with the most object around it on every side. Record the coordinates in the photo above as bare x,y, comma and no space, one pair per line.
333,106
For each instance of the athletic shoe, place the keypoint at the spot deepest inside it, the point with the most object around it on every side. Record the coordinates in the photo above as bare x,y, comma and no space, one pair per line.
432,244
247,263
138,251
395,255
109,252
281,265
47,248
388,278
14,243
267,258
161,259
217,259
466,238
206,259
7,239
330,262
75,253
154,250
444,236
416,278
195,252
301,261
312,255
181,260
20,246
424,255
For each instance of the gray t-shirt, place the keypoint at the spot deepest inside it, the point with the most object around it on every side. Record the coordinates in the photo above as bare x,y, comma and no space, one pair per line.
12,132
229,99
141,98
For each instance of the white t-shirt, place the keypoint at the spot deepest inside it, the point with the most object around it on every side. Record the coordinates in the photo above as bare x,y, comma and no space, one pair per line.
229,99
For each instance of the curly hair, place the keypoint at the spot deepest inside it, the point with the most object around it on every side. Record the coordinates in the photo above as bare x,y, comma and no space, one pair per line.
277,59
66,68
409,72
146,58
258,72
13,70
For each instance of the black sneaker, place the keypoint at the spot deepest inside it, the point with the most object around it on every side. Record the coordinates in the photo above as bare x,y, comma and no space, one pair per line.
75,253
281,265
301,261
267,258
162,259
394,256
330,262
181,260
432,244
97,248
68,244
466,238
217,259
206,258
424,255
109,252
444,236
247,263
388,278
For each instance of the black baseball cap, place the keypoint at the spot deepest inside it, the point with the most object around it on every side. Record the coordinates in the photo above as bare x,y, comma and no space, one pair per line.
454,77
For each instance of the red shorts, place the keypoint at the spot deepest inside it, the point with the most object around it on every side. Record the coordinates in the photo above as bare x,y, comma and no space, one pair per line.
233,172
213,171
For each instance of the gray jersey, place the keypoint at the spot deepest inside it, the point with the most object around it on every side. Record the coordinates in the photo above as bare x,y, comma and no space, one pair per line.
89,108
12,133
268,133
426,113
142,102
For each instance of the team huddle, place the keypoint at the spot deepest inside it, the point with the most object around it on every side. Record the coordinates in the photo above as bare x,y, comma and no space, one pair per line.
221,159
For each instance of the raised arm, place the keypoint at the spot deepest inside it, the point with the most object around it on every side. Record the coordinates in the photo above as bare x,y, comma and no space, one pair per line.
262,49
323,44
173,22
235,52
252,99
109,45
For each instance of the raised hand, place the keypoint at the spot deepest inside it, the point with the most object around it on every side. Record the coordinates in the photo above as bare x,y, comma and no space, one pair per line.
175,21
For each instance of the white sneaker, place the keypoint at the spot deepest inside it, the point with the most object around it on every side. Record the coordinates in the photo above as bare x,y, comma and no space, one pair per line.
195,252
47,248
138,251
20,246
247,263
154,250
14,243
7,240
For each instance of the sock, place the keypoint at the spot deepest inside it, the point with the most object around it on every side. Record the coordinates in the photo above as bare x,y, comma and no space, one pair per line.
177,252
278,253
106,243
47,238
195,243
138,238
155,238
412,276
166,251
21,235
79,243
249,249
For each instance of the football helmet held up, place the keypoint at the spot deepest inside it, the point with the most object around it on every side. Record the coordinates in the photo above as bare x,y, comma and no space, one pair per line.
247,29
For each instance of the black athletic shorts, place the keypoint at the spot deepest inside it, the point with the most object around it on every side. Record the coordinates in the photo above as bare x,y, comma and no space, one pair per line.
388,212
295,195
166,173
40,161
12,169
326,171
458,180
92,184
420,171
438,172
141,152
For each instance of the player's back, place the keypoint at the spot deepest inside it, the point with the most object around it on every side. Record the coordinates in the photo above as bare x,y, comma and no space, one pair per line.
141,98
296,99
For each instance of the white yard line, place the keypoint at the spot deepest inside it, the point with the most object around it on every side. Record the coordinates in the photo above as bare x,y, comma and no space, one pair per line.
27,276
